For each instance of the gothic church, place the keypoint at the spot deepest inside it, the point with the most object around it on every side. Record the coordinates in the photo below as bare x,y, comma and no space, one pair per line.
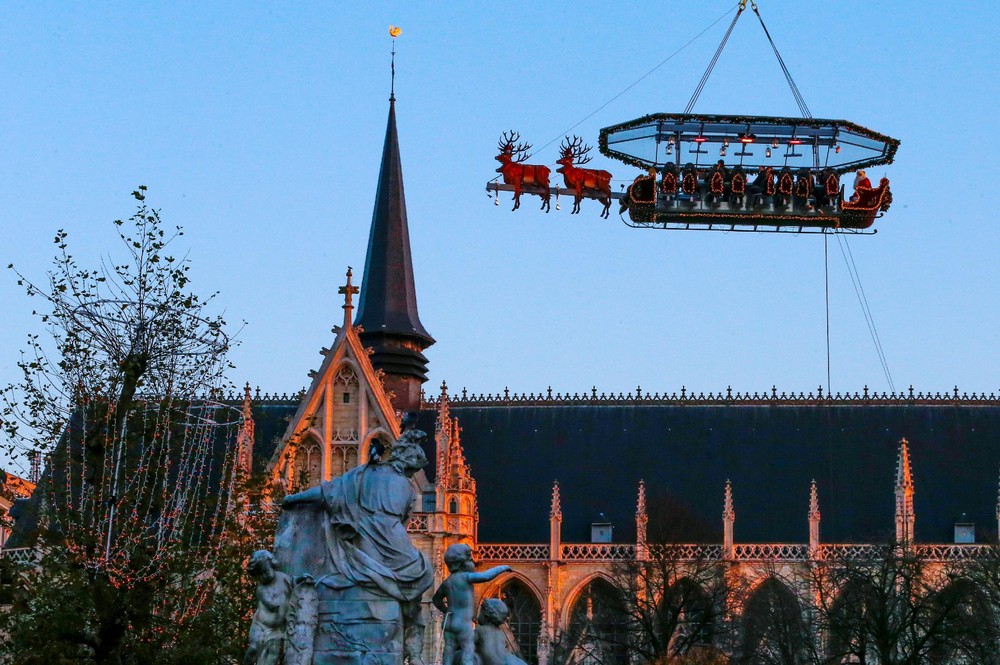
593,471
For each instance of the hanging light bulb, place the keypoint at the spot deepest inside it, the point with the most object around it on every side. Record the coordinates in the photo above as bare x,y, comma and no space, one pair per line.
670,141
722,151
725,142
670,149
496,201
558,207
836,148
767,153
774,143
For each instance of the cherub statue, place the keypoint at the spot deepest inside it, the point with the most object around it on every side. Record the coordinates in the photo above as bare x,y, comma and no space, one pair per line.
456,599
491,641
267,632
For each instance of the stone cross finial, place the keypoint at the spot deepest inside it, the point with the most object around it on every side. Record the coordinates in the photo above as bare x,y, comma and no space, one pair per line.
348,291
247,400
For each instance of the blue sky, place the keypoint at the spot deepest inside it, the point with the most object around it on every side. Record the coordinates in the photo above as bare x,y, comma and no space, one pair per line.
258,128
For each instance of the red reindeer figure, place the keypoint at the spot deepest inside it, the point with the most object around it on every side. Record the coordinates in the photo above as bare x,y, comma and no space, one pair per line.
516,172
596,183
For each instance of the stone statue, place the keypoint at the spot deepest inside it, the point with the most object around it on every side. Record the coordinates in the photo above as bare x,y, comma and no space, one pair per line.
361,602
303,609
267,632
456,599
491,639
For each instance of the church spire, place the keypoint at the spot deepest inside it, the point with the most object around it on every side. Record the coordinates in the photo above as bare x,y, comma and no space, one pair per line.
387,310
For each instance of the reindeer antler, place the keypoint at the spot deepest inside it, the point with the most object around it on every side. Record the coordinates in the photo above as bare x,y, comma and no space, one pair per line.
521,150
507,140
576,149
510,143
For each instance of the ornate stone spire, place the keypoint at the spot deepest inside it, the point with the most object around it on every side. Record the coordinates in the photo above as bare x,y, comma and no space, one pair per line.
904,495
641,521
442,437
814,518
555,524
244,441
998,507
728,519
387,310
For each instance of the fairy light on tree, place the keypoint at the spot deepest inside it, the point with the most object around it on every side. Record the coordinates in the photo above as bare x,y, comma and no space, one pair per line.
120,399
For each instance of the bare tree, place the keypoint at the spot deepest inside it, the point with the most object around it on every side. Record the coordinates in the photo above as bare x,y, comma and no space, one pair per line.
775,627
664,606
891,605
141,459
971,599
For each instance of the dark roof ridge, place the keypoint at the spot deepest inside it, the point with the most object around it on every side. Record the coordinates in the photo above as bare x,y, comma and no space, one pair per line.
728,397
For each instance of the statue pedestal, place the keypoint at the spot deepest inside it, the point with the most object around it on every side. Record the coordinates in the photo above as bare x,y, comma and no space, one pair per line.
358,627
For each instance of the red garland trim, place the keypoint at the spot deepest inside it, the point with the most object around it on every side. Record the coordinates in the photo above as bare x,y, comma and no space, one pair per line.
718,183
739,185
785,184
669,183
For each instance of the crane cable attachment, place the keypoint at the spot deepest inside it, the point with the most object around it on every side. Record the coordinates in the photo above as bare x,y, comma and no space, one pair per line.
845,249
799,99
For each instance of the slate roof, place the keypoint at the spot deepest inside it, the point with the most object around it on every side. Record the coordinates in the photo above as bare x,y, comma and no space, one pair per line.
686,451
599,453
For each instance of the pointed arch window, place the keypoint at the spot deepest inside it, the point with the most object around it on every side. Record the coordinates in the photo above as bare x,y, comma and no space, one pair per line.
773,626
598,627
308,464
525,618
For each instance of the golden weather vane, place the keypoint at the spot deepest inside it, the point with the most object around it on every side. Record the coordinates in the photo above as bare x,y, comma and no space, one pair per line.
394,31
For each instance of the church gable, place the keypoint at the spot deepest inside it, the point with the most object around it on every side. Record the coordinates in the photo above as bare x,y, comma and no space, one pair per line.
342,412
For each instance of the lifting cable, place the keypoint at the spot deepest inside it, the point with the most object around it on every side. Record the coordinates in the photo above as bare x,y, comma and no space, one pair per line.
799,99
803,108
714,60
634,83
859,290
826,284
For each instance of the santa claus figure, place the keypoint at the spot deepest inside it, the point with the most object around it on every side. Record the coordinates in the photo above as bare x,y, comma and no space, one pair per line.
861,181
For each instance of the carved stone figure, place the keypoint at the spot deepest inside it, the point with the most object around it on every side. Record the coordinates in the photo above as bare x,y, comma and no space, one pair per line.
267,632
349,535
456,599
491,638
